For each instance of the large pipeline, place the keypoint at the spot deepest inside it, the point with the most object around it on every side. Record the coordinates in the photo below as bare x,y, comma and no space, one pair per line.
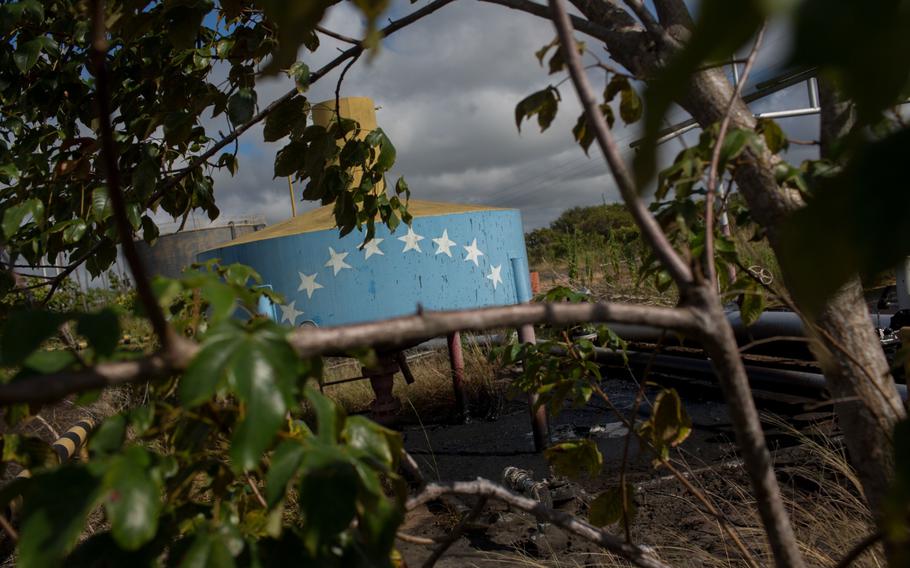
784,325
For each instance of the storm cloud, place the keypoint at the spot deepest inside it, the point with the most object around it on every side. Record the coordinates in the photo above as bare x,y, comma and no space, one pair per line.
446,89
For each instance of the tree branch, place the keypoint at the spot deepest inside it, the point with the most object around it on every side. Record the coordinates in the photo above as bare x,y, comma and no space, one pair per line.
650,23
337,36
584,26
397,333
650,230
485,488
708,258
717,338
112,174
859,548
455,533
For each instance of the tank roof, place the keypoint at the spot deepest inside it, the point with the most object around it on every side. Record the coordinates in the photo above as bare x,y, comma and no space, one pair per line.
322,218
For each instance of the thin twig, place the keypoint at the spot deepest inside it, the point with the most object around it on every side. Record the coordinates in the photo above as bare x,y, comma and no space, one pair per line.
8,529
415,539
338,91
859,548
455,533
47,425
337,36
485,488
115,194
647,224
708,259
259,497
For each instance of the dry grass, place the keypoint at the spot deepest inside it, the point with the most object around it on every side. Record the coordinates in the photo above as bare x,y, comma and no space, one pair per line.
431,392
820,488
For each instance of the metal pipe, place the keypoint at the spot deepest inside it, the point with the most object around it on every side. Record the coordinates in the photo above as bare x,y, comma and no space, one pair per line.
902,274
762,90
789,113
812,85
456,361
759,376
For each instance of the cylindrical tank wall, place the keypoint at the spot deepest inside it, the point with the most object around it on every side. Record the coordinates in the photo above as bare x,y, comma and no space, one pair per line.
444,262
360,109
171,254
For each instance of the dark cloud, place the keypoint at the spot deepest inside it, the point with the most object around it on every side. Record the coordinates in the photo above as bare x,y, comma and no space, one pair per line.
446,89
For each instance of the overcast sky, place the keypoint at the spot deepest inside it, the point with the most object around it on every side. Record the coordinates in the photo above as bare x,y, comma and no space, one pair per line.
446,89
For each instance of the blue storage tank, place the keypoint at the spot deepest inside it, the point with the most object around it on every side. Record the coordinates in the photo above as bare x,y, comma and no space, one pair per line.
454,256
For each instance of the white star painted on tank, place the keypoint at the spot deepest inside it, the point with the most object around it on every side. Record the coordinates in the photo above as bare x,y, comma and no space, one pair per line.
473,253
371,248
336,261
494,275
410,241
444,244
289,313
308,283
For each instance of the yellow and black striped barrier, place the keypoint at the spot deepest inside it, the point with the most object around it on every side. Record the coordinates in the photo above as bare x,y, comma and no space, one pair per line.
65,447
73,439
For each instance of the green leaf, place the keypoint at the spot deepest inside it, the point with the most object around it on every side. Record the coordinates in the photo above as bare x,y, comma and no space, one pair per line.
575,458
865,68
101,205
300,73
855,223
630,106
543,103
669,425
284,118
734,143
387,153
774,136
296,22
74,232
241,106
607,508
290,158
102,329
24,331
56,505
221,298
753,303
208,370
27,451
208,550
27,53
329,416
183,23
134,501
381,444
14,215
262,373
49,361
286,460
109,436
327,497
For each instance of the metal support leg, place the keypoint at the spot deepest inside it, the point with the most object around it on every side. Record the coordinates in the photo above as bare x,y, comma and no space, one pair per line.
456,360
539,423
386,406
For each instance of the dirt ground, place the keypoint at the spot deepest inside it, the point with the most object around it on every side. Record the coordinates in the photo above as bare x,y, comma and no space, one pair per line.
828,514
